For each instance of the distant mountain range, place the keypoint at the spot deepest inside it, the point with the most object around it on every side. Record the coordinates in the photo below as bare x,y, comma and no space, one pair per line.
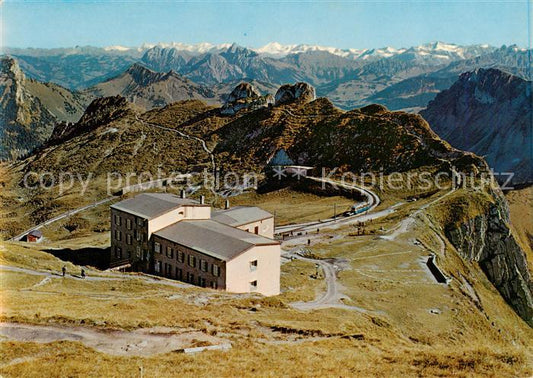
404,78
488,112
159,75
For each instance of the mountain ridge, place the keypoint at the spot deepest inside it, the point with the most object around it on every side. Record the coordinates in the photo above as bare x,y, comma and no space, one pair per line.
489,112
30,109
150,89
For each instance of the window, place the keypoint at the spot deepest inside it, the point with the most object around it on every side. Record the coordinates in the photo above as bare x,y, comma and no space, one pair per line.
180,256
117,219
170,252
137,235
215,270
118,252
128,224
138,252
128,239
139,221
253,265
190,277
204,265
214,285
118,235
157,247
256,230
129,254
192,261
201,282
179,274
253,285
157,267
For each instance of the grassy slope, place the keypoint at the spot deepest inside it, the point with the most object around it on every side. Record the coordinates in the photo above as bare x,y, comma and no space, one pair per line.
404,339
379,275
521,205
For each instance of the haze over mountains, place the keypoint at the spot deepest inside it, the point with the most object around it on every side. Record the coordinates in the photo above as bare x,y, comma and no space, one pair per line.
154,76
399,78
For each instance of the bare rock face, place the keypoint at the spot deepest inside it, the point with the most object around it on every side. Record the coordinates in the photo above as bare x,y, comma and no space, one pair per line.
488,112
245,96
100,111
487,239
243,91
301,92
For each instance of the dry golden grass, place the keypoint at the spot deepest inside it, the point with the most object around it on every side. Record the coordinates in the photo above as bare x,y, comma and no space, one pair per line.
291,206
399,337
329,357
299,282
521,206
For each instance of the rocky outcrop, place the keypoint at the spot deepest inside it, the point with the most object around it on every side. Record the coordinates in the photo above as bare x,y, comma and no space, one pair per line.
301,92
100,111
244,96
487,239
29,110
243,91
488,112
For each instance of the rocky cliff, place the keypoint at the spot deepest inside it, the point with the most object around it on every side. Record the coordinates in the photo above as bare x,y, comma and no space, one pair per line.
245,96
29,110
486,238
301,92
488,112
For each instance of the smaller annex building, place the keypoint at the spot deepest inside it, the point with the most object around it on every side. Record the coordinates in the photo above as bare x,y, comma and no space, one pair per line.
182,239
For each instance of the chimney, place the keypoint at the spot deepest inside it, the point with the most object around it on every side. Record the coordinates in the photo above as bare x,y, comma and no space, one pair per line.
202,200
227,204
182,193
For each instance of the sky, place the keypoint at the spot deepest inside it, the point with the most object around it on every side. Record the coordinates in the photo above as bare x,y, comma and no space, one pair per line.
343,24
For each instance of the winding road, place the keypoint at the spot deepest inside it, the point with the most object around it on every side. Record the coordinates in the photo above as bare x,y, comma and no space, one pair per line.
372,201
62,216
332,297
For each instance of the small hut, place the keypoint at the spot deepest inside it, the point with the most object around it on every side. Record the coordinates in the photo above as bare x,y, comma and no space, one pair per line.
281,160
34,236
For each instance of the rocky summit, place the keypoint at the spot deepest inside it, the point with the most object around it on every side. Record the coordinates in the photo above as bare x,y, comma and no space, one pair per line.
244,96
300,92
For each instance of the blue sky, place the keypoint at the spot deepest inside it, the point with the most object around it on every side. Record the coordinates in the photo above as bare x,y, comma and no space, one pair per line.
345,24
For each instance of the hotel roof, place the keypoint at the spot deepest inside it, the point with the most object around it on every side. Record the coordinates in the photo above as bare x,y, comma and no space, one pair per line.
152,205
239,215
212,238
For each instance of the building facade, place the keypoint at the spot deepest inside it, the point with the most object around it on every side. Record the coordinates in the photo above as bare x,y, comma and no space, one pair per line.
181,239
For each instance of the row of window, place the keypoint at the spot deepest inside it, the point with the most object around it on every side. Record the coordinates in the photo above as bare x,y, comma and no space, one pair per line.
167,270
118,221
192,260
118,253
138,236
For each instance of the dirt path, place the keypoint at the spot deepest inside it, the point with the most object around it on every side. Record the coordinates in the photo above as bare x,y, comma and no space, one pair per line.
111,277
186,136
332,298
407,223
63,216
140,342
